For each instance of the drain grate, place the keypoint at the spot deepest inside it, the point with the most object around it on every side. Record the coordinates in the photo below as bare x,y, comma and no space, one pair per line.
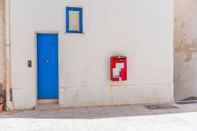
188,100
192,98
160,107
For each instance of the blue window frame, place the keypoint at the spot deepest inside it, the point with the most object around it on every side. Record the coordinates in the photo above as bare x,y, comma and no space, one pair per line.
74,20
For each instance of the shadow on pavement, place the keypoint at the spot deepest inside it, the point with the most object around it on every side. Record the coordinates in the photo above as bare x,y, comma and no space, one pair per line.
97,112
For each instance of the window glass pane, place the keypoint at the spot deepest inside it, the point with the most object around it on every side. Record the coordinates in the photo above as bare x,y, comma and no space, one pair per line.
74,20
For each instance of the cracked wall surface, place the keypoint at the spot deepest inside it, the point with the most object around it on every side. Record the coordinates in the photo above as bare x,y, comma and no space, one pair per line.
185,49
2,41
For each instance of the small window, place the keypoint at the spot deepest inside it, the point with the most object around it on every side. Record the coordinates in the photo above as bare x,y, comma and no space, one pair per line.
74,20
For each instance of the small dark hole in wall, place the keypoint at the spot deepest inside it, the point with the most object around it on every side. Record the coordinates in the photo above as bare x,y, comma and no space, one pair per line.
11,98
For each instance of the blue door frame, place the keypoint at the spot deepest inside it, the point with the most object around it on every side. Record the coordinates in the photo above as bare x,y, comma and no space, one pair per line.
47,66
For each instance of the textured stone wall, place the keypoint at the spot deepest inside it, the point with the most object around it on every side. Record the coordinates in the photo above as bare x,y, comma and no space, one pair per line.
1,41
185,49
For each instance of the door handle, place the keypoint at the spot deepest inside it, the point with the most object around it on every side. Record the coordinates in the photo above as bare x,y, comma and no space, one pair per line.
46,61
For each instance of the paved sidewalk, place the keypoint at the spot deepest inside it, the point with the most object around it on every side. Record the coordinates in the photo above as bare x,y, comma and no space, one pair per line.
123,118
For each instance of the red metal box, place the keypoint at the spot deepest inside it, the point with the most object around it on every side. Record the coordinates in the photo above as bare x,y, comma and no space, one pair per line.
118,68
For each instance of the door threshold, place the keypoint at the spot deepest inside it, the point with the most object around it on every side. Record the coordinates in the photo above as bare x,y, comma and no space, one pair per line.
47,102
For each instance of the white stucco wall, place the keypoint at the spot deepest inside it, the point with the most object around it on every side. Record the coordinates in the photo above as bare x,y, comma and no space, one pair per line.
28,17
141,30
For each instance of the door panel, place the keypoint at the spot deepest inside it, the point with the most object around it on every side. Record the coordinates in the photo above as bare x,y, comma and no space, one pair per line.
47,56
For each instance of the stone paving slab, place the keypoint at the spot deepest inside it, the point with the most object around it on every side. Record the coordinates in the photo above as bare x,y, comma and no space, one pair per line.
122,118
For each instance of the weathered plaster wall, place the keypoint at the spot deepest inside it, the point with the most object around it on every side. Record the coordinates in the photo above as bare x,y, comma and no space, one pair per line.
186,49
2,33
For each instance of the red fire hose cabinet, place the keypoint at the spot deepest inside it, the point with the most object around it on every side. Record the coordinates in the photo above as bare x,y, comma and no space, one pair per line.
118,68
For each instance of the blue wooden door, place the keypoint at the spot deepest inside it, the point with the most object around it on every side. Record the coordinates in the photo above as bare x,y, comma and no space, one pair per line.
47,60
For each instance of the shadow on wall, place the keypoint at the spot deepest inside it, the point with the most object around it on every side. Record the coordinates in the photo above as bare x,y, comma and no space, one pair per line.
2,97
